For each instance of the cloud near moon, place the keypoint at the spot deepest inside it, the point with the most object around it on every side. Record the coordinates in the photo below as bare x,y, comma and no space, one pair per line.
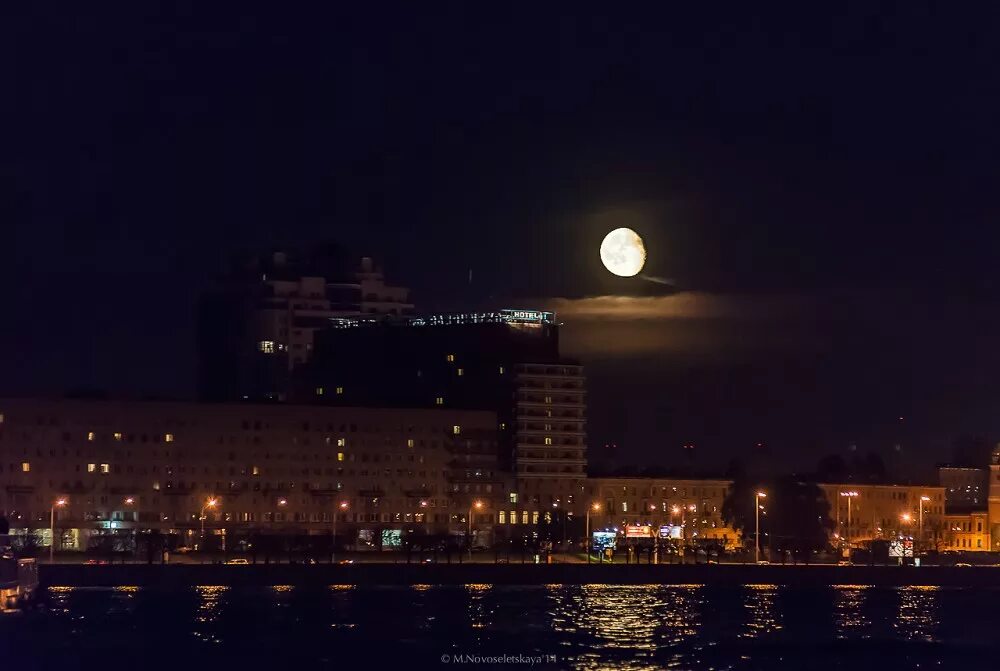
694,323
683,305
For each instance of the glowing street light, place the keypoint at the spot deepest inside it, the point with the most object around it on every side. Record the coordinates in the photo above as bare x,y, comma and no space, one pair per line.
848,496
333,547
58,503
756,536
595,507
920,527
211,502
477,505
427,521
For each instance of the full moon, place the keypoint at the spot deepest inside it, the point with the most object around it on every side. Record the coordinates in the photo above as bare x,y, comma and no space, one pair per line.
623,253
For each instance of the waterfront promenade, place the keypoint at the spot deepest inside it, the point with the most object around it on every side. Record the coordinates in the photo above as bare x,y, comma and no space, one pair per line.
177,575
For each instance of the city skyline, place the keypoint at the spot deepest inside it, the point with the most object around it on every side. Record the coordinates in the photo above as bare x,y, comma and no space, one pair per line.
827,217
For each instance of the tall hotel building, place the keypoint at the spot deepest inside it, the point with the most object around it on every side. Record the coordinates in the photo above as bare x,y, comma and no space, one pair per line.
506,361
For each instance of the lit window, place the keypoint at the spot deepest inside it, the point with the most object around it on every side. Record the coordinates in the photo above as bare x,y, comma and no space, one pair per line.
91,468
25,467
319,391
156,485
340,456
450,357
339,390
90,435
341,442
503,517
524,517
501,370
255,470
409,442
105,468
534,517
513,497
624,506
456,429
513,517
548,441
1,418
118,435
439,400
266,346
168,438
548,399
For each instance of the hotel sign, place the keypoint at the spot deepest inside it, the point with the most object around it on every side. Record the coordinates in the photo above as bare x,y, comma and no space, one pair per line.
531,316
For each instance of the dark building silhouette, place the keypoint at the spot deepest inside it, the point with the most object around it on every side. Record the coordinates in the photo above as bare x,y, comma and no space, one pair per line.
257,324
505,361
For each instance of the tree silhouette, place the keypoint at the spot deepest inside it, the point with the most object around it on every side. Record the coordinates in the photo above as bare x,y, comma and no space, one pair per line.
796,514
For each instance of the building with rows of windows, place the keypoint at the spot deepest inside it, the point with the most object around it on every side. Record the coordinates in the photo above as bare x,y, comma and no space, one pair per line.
105,465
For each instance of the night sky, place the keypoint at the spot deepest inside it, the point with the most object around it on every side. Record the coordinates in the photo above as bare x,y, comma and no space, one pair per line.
822,191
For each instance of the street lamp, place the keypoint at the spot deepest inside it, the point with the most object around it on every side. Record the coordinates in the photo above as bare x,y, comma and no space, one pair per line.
427,523
209,503
920,527
478,505
596,507
333,548
756,535
849,496
128,502
58,503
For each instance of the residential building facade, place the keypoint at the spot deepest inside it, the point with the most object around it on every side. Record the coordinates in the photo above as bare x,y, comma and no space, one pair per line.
100,466
865,512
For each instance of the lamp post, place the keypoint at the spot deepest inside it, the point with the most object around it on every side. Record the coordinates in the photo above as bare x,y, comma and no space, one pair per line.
58,503
209,503
592,507
333,546
477,505
756,534
427,522
849,495
128,502
920,526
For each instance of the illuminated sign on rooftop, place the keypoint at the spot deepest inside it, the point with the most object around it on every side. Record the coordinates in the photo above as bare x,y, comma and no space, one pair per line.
516,317
532,316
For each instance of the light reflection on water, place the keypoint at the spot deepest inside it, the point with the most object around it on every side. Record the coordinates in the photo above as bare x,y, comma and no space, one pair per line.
208,612
848,612
637,620
481,608
586,626
59,599
917,618
762,615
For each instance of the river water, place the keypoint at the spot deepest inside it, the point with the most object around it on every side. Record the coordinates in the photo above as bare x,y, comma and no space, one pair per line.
555,626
